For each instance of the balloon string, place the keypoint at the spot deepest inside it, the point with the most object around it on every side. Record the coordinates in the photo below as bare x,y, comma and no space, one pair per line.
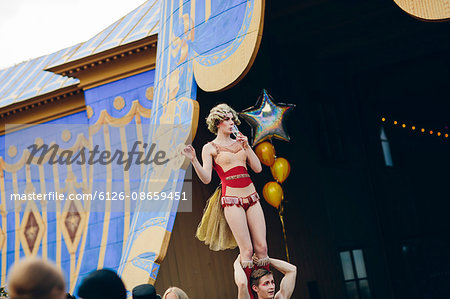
280,213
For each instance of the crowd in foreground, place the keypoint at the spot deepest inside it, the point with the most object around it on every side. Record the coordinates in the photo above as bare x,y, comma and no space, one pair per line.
34,278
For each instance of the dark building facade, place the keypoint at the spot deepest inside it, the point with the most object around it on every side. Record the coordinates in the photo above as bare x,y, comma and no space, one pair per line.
359,225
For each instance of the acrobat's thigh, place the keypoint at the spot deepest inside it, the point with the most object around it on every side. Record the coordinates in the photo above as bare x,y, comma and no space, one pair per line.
257,226
237,220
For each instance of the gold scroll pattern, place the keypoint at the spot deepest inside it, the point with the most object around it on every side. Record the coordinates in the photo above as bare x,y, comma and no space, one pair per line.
171,108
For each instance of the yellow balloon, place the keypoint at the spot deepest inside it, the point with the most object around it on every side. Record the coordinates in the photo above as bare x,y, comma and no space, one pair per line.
273,194
266,153
280,169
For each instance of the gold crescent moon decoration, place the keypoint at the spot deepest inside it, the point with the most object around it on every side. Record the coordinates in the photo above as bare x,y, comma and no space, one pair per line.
426,10
236,64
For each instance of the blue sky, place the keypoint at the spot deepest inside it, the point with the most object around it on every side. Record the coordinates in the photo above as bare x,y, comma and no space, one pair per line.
32,28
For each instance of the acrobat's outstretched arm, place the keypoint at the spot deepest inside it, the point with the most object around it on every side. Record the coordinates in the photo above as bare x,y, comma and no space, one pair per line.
204,171
240,279
287,284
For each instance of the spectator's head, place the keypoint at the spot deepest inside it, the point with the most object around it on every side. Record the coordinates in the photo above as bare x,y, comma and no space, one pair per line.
145,291
175,293
262,283
102,284
32,278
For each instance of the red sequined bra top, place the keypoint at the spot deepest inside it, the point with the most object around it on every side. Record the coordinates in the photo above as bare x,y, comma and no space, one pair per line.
230,164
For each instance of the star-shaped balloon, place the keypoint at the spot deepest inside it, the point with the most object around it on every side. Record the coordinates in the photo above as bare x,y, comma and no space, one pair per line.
267,119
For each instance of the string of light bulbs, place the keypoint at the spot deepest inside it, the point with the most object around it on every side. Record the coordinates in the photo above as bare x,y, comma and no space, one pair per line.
417,129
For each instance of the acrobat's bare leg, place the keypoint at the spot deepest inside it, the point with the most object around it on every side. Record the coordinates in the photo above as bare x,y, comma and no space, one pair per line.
257,226
237,221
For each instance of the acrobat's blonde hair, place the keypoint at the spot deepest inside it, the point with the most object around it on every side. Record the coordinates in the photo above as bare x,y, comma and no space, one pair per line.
217,114
177,291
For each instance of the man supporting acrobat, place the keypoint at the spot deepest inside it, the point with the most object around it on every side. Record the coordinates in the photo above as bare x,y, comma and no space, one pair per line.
262,282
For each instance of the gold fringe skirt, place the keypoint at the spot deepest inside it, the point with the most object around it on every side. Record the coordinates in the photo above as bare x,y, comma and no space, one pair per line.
214,229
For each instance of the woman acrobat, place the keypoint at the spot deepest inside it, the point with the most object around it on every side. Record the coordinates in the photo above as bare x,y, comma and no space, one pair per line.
237,201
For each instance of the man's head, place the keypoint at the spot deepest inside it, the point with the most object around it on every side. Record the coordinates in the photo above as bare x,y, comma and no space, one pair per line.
263,284
145,291
102,284
35,279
